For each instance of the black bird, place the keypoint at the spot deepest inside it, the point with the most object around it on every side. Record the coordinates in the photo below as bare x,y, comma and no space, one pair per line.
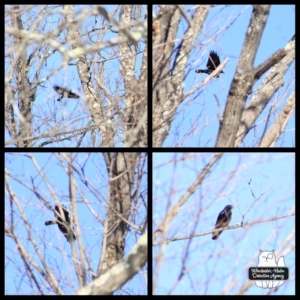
64,93
223,220
63,221
212,64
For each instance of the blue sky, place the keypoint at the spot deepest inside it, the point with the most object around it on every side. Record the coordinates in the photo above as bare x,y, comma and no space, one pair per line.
72,113
228,25
51,243
215,267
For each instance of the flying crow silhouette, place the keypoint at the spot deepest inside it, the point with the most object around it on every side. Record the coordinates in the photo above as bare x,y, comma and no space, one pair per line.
63,221
64,93
212,64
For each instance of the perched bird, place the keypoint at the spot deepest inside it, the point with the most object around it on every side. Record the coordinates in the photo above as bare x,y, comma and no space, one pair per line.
223,220
63,221
64,93
212,64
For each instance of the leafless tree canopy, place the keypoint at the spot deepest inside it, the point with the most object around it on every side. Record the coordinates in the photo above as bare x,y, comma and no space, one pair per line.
99,202
181,35
98,53
213,212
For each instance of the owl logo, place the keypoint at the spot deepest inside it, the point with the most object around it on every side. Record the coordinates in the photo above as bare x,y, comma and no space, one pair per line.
267,259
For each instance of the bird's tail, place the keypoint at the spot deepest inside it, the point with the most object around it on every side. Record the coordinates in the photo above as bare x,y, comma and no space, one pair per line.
50,223
203,71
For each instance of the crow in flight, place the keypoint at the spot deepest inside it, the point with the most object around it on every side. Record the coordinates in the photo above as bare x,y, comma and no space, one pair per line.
64,93
212,64
63,221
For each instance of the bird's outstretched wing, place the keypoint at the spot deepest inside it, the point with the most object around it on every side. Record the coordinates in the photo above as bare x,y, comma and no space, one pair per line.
213,61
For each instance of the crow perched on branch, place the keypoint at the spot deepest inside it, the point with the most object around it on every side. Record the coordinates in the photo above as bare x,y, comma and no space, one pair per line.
63,221
212,64
64,93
